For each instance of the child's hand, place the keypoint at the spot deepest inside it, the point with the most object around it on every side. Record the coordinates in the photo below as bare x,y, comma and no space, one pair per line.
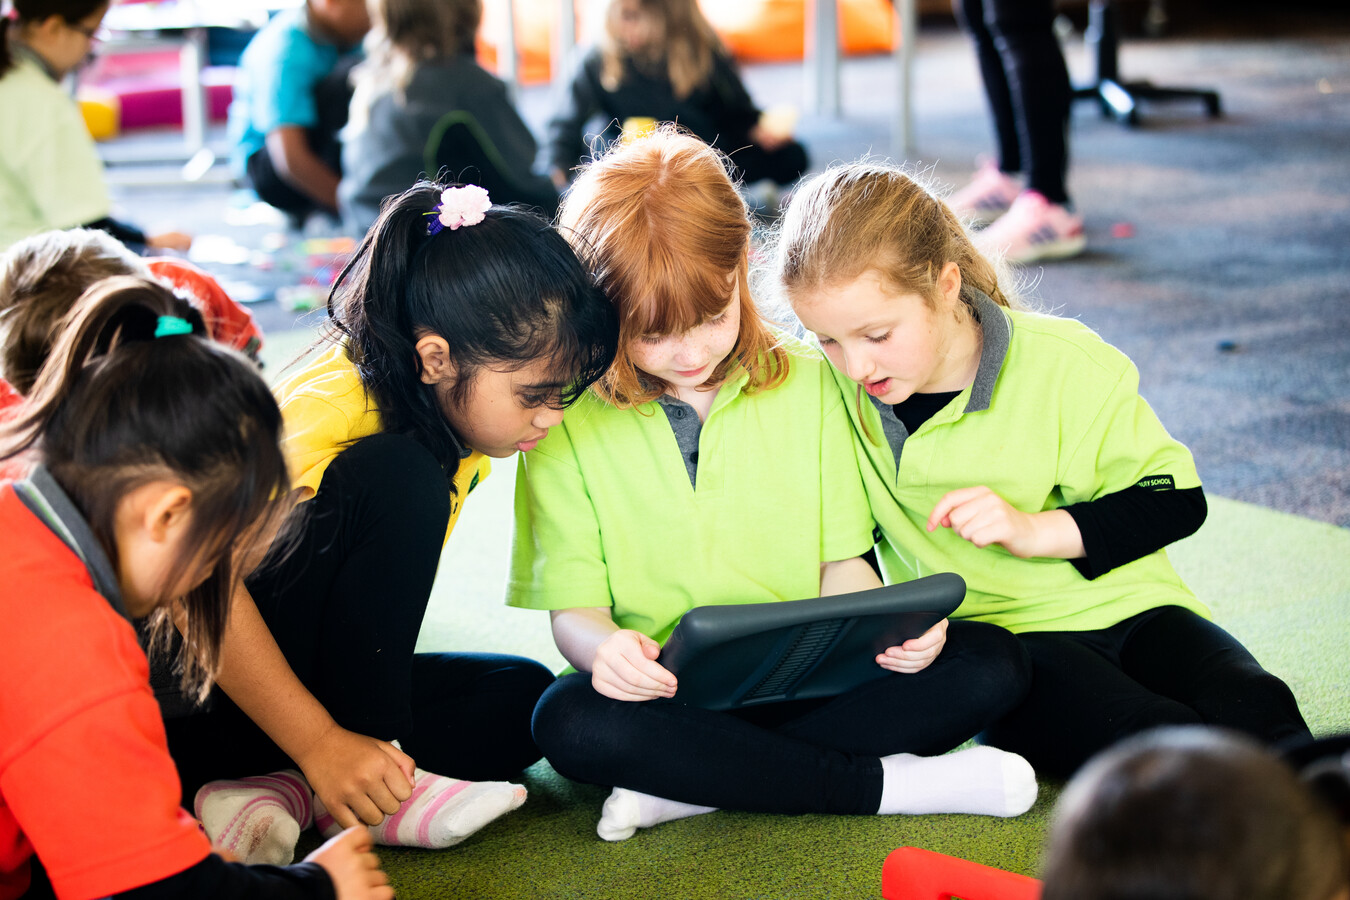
626,668
170,240
355,869
983,518
359,778
767,139
915,654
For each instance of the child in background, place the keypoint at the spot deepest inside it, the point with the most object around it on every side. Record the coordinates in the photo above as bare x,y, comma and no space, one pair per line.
1031,466
661,60
42,276
1192,813
420,77
160,465
290,101
725,443
459,332
50,173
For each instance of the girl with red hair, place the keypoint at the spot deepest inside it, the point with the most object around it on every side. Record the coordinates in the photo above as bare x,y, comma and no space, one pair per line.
711,465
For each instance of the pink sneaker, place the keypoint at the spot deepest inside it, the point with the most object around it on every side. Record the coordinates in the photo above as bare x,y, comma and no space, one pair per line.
987,197
1033,228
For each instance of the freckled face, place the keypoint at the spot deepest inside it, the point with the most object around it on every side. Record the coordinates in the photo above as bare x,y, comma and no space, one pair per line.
688,359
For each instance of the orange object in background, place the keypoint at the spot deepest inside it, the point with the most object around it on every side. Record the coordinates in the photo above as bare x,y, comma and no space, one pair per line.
913,874
754,31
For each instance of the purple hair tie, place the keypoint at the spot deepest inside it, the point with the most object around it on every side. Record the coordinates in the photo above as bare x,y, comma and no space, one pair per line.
459,206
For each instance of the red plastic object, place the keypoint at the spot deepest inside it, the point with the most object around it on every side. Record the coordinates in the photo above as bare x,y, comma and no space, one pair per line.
910,873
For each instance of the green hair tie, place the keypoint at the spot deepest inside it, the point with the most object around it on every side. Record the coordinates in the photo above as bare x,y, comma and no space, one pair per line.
167,326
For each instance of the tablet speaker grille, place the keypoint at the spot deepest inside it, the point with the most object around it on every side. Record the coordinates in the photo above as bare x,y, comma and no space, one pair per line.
803,653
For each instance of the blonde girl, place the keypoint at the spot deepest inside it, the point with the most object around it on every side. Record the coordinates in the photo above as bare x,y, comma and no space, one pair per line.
713,465
661,60
1014,449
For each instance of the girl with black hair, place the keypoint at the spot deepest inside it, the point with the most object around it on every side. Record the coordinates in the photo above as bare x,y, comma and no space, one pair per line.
160,467
459,331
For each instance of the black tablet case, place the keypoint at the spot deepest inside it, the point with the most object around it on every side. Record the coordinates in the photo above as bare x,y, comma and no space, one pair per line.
747,654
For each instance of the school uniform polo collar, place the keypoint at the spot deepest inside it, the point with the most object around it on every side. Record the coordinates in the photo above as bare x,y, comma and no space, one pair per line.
997,328
45,498
23,51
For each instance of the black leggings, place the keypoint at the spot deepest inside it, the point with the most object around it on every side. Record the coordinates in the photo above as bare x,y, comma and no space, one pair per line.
1166,666
346,607
1027,85
818,756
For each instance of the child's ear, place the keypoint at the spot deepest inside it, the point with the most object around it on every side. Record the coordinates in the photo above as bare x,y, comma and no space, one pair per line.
434,352
167,510
949,283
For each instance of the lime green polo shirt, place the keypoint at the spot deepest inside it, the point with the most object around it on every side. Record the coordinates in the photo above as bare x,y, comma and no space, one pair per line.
1054,417
50,174
606,514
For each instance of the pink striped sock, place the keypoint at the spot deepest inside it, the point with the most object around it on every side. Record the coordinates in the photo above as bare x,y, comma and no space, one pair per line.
258,819
440,813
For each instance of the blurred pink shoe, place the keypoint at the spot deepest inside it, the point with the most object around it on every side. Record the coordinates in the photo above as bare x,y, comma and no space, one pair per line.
987,197
1033,228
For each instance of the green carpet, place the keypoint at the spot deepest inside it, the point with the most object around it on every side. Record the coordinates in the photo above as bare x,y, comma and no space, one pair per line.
1279,582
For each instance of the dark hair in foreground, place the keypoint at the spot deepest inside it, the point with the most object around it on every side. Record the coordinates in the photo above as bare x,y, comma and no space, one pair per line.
505,292
115,408
1192,814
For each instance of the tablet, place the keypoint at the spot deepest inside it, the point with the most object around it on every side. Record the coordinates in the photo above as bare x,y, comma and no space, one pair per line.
746,654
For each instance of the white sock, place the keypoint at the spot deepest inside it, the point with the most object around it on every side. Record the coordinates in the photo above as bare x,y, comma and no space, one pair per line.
440,813
626,811
983,781
257,819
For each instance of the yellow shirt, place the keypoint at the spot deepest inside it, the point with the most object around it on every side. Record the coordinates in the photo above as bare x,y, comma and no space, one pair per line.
325,409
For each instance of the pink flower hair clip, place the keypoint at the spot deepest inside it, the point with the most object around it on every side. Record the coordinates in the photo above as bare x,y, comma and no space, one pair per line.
466,205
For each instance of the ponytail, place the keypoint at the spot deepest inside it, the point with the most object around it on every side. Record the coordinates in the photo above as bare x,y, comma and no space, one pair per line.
134,392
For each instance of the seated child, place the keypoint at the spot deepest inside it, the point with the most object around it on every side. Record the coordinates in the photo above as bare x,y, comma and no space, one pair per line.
50,173
290,101
661,60
160,451
419,84
1197,813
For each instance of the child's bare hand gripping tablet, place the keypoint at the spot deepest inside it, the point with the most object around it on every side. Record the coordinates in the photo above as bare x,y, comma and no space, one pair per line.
856,574
622,662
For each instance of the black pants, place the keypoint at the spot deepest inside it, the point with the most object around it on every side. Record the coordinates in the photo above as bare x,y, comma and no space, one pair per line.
819,756
1027,85
332,99
1166,666
346,607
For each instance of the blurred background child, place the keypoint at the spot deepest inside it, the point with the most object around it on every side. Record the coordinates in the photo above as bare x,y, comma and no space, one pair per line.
291,97
422,102
160,467
1195,813
50,173
661,60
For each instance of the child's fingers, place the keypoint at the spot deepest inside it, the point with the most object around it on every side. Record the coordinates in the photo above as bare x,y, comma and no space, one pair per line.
933,637
950,501
406,765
